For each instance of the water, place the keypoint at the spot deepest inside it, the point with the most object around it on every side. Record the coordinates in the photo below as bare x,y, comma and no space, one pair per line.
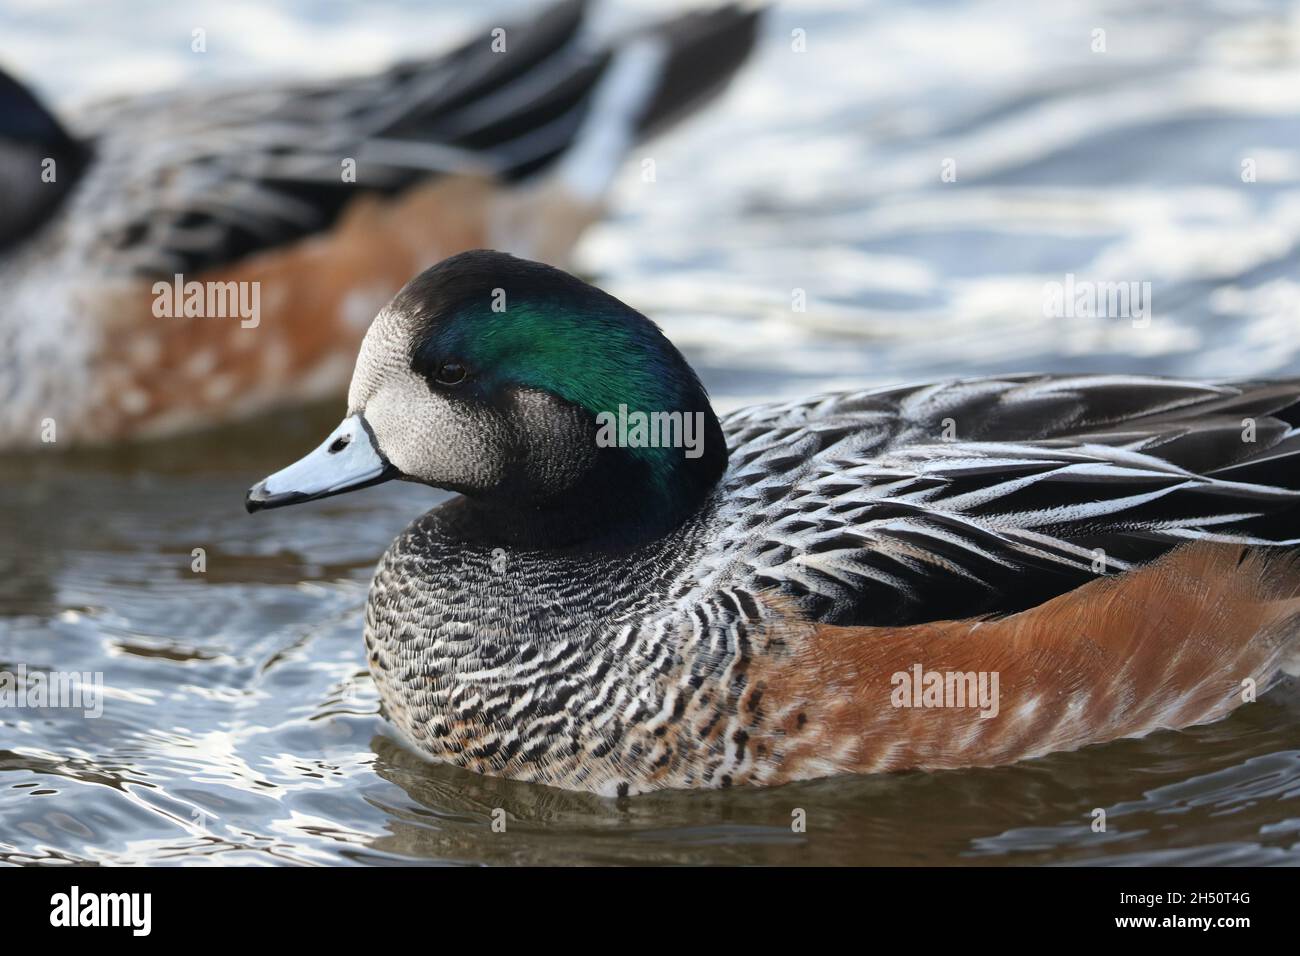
240,725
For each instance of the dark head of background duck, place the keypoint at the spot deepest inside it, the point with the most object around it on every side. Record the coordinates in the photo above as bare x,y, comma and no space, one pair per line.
30,135
513,363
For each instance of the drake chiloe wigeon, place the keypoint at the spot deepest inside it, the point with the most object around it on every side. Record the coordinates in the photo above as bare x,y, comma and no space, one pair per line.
297,212
631,594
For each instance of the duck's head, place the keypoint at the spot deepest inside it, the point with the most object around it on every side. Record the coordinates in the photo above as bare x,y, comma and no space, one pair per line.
528,391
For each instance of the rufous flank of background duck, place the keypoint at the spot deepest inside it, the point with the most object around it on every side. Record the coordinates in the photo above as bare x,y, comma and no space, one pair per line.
770,596
314,203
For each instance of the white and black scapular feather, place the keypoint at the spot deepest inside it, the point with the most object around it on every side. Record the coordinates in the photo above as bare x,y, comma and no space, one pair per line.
938,501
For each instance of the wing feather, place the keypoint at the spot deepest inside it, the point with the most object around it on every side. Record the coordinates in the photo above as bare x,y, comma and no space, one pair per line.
952,499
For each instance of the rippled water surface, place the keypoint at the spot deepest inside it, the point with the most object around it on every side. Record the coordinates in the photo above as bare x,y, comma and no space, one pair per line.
240,724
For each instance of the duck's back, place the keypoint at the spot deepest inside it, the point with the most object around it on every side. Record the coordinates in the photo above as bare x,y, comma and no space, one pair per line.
945,501
188,181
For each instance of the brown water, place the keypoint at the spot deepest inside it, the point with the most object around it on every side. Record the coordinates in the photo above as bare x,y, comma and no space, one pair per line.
239,723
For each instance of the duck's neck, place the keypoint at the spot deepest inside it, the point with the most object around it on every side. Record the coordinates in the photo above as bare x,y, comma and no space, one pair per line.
628,500
513,588
600,519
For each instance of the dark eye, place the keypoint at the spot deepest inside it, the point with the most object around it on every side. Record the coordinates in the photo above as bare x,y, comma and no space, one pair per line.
450,373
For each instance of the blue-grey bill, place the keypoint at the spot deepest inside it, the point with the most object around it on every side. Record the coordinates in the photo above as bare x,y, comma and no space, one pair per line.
348,459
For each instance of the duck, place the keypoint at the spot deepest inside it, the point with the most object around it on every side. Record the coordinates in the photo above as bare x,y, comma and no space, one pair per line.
176,261
926,577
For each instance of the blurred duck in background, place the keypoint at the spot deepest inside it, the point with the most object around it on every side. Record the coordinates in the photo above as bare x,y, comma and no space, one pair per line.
184,259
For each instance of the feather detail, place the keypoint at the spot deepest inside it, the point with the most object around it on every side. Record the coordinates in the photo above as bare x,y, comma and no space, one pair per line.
1180,642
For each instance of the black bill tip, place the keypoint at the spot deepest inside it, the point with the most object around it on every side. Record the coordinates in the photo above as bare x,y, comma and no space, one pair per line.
259,498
